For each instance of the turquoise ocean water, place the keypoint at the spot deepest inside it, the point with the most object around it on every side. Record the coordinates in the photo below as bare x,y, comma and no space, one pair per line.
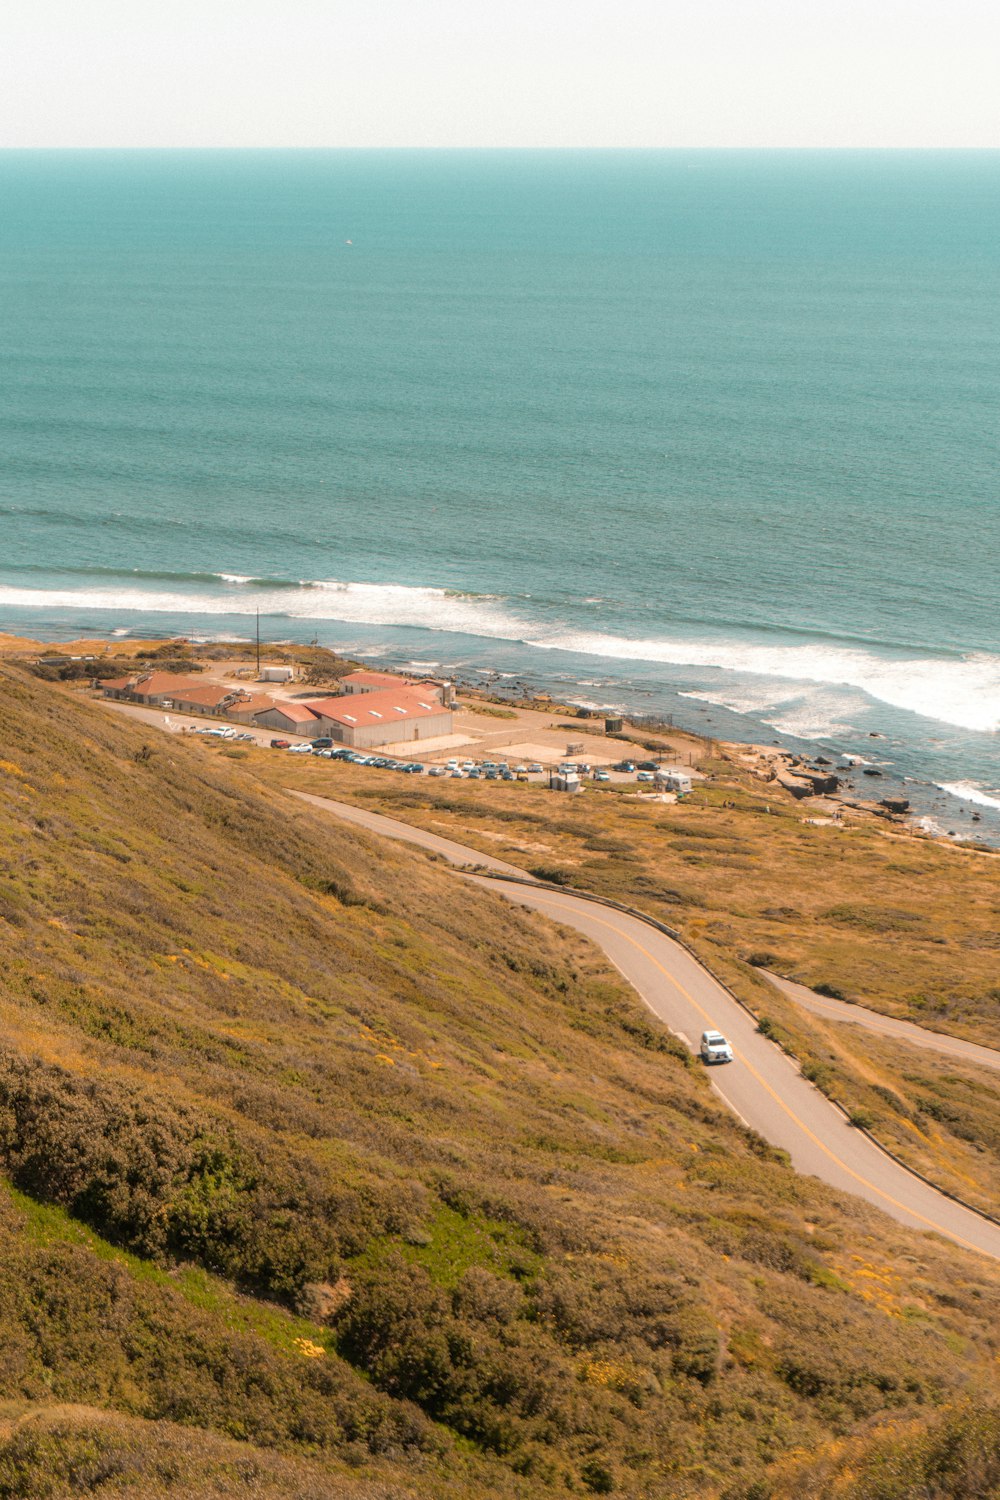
703,433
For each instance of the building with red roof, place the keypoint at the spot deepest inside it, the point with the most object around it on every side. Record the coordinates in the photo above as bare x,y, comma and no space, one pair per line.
370,682
383,718
290,718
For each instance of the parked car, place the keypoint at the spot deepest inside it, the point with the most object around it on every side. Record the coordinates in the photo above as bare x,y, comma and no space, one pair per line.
300,749
322,744
601,776
437,771
647,765
714,1048
626,766
281,744
644,776
535,769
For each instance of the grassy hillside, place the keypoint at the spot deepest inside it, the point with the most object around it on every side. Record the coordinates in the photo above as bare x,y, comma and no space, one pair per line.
866,913
309,1145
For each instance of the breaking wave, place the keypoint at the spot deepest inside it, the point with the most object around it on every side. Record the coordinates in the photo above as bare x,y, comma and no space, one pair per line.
776,681
968,791
351,603
960,690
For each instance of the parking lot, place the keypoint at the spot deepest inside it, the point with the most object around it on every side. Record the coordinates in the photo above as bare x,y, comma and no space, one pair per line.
500,766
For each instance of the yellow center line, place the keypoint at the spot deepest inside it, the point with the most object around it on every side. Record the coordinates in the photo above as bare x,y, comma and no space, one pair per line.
913,1213
879,1192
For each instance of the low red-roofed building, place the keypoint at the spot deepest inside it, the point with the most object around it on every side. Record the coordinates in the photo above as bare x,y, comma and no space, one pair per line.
207,698
370,682
162,687
383,718
245,708
290,718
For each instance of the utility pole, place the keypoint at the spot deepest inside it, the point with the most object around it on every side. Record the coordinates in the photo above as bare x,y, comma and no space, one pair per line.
258,642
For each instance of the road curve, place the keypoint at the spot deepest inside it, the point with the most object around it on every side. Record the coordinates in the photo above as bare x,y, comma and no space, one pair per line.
763,1087
890,1026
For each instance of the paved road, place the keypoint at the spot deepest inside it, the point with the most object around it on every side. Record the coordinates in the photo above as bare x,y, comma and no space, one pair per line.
762,1087
890,1026
456,854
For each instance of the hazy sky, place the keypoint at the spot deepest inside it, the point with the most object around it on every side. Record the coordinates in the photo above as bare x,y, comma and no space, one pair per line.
500,73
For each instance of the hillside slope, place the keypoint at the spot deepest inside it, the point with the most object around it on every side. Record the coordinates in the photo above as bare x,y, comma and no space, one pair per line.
311,1145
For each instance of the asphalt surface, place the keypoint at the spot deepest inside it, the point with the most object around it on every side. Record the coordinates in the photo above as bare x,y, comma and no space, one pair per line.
762,1087
889,1026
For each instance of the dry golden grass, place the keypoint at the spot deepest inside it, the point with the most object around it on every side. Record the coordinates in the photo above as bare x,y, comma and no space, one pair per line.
253,1057
899,923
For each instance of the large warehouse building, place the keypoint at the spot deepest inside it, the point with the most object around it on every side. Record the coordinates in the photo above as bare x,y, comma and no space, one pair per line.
363,720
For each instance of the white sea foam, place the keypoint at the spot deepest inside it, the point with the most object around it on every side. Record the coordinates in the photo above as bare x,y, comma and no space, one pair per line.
811,723
809,715
353,603
963,691
968,791
747,698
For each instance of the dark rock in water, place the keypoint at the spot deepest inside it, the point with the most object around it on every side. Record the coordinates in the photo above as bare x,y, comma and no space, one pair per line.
821,760
896,804
870,771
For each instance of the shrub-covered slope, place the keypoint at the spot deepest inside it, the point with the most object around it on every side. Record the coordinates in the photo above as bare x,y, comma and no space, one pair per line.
748,878
312,1145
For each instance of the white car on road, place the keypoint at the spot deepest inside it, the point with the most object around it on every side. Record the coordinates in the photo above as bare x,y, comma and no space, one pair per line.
714,1048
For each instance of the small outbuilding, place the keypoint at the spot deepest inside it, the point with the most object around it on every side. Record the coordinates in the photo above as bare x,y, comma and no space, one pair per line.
565,781
277,674
671,780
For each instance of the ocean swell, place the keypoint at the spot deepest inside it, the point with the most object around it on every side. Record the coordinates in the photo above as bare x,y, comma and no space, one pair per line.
963,691
350,603
960,690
